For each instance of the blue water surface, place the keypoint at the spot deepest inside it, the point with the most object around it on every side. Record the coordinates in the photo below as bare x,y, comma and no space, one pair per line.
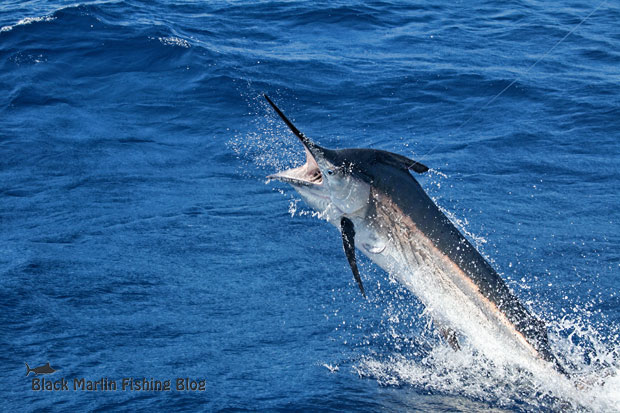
139,238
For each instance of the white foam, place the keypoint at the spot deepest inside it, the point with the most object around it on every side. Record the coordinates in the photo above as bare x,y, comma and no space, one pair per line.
27,20
594,385
174,41
332,369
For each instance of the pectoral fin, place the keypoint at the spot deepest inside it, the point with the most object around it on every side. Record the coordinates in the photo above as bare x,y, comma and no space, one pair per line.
348,242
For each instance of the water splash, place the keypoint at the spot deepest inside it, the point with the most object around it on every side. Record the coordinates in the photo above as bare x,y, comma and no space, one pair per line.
271,147
430,365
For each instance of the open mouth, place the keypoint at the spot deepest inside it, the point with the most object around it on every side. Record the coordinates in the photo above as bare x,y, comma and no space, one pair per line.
307,174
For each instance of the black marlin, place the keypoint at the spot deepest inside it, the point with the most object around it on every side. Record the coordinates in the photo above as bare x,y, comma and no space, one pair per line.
381,209
45,369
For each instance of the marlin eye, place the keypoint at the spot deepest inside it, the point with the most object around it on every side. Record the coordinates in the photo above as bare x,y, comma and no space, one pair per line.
330,172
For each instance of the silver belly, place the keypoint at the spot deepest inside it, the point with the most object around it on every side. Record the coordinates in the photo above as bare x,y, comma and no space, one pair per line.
448,294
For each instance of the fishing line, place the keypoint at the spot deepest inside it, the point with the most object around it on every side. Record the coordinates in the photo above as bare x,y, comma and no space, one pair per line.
520,76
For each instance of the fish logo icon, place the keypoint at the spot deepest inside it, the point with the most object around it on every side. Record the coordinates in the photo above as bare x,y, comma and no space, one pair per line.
45,369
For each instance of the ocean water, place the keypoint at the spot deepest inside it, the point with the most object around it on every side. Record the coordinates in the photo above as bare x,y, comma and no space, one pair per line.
139,237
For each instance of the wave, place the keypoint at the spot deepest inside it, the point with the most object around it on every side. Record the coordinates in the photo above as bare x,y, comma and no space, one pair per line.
27,20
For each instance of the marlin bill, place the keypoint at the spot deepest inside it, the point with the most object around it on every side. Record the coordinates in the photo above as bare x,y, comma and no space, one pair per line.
381,210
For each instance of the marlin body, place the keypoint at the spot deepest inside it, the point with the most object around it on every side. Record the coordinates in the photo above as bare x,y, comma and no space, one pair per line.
381,209
45,369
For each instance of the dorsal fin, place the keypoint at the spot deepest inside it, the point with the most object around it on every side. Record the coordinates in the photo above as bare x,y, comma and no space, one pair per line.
400,161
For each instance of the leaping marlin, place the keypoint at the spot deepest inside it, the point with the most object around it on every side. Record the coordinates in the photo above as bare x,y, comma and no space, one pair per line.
381,209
